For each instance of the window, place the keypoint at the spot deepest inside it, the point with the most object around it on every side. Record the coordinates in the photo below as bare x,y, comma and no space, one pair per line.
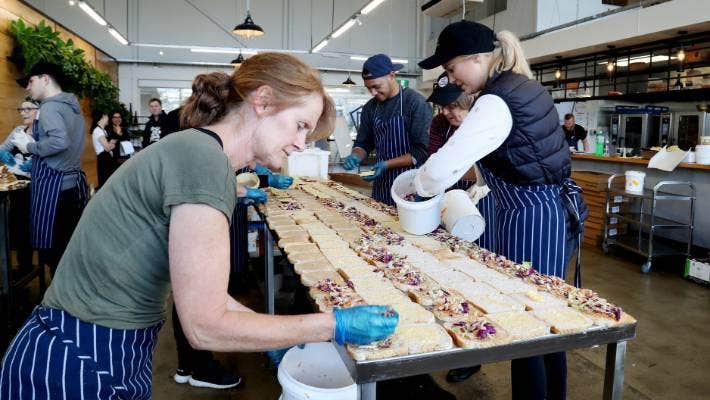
171,98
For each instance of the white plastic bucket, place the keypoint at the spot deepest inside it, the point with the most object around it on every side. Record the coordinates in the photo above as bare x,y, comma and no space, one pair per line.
418,218
634,181
702,154
310,162
315,372
460,216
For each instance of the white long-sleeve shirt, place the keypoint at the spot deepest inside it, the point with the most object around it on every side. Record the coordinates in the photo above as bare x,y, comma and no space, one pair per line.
483,130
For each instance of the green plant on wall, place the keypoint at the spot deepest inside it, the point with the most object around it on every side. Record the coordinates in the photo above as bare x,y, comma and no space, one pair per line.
42,43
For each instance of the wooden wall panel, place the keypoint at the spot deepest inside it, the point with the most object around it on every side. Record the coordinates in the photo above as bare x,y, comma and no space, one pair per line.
12,94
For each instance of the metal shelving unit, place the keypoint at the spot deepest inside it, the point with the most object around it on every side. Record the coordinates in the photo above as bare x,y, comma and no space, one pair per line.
630,219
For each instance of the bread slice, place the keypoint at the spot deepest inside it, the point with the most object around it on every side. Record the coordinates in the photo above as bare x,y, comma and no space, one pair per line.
377,350
312,266
301,248
497,304
412,313
302,239
510,285
295,258
534,300
351,271
422,338
564,320
311,278
477,333
520,324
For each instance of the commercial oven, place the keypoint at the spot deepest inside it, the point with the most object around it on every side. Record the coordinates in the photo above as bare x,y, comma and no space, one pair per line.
632,132
688,127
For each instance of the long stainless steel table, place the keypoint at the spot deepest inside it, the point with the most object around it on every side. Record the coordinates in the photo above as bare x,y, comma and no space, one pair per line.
367,373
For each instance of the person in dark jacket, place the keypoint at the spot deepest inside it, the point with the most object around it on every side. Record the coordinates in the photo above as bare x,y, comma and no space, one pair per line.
118,133
513,135
153,130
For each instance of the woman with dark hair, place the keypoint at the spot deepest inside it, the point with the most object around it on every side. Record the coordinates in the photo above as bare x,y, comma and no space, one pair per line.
167,211
118,133
103,147
513,135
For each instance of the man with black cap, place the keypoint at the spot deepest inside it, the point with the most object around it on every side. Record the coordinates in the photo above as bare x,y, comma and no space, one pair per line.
59,188
394,123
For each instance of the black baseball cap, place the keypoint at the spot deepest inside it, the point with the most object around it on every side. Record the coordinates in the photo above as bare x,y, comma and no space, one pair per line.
444,92
44,68
460,39
377,66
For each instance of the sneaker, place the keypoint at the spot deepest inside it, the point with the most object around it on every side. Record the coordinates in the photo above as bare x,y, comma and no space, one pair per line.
182,375
215,377
461,374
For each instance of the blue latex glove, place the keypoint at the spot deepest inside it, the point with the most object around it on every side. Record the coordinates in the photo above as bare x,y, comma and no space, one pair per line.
253,196
352,161
280,181
26,166
7,158
364,324
380,168
262,170
275,356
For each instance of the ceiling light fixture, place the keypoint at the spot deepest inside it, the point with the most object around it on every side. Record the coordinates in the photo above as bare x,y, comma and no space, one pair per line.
117,36
72,2
371,6
347,24
344,27
238,61
248,28
349,82
92,13
320,46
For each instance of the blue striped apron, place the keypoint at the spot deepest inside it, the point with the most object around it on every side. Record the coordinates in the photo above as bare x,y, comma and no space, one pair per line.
487,207
391,141
44,195
57,356
532,223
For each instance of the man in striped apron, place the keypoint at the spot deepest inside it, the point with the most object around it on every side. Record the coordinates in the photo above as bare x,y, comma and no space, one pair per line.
394,123
59,188
513,134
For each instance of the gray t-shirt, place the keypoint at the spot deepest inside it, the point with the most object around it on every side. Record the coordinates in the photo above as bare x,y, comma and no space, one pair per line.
115,270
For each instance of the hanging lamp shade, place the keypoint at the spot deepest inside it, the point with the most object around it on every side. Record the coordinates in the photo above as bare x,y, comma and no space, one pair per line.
248,28
349,82
238,61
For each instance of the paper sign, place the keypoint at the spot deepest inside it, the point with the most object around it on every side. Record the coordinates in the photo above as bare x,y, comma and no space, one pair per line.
127,148
666,160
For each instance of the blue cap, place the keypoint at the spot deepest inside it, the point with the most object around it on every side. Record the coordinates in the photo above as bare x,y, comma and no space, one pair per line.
377,66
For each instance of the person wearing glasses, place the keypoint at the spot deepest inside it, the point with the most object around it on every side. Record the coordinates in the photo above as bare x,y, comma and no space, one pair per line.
18,161
118,133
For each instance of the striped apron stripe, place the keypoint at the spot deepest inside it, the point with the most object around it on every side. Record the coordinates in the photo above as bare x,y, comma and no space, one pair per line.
44,196
57,356
391,141
487,207
530,224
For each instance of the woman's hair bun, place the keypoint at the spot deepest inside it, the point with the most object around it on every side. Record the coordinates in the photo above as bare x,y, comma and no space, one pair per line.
211,95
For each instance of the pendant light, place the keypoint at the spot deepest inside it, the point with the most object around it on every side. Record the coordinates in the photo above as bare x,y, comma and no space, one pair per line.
681,52
611,64
248,28
349,82
558,71
238,61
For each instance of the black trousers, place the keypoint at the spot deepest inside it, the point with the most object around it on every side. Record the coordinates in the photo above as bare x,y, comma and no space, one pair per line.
539,378
69,209
188,358
105,166
19,222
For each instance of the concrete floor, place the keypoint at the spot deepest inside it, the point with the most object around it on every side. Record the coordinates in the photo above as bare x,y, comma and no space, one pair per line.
669,359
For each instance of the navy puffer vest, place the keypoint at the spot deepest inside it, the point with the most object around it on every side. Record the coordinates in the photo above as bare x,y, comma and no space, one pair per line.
535,152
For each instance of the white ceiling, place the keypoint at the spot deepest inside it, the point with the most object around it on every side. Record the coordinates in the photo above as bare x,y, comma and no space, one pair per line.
296,25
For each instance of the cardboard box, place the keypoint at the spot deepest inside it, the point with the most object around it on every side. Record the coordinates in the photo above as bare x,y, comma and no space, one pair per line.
698,270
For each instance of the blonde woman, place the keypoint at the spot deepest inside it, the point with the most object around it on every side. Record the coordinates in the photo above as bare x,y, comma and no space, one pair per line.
513,135
161,223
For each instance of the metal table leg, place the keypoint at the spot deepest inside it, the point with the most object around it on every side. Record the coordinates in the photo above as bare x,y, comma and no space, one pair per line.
614,371
6,288
269,270
368,391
